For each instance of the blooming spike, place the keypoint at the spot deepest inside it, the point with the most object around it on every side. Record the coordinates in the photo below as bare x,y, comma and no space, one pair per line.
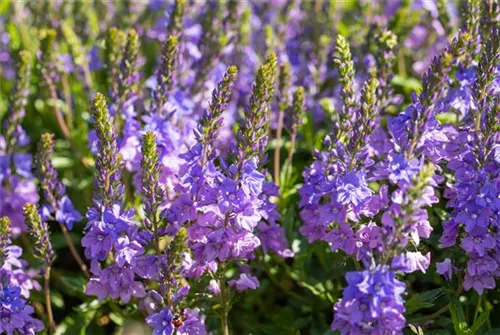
345,65
255,128
108,161
51,187
151,187
5,235
19,100
39,232
211,121
128,67
285,81
166,74
298,117
115,43
175,24
298,112
486,73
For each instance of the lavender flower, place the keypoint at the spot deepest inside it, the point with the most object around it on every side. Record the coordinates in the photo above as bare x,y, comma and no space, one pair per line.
336,198
445,268
339,176
59,205
473,194
113,235
227,203
193,323
15,313
372,303
161,322
110,226
245,282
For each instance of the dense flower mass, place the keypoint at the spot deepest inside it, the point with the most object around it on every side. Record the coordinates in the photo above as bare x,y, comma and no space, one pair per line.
472,155
16,315
372,304
246,166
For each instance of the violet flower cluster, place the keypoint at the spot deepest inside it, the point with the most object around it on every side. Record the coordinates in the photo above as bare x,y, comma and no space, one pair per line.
16,315
182,191
472,156
118,245
372,303
338,200
111,229
227,206
59,206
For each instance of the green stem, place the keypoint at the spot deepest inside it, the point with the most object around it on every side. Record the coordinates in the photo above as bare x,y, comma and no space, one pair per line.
48,303
478,307
73,251
442,310
356,264
225,312
277,148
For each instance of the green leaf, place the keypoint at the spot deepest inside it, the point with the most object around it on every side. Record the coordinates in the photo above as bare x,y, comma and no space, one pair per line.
447,117
416,329
75,323
423,300
458,317
57,299
74,285
117,318
58,241
408,83
495,331
480,322
4,6
60,162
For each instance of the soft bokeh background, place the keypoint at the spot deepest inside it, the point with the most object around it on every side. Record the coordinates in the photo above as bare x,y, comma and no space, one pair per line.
296,295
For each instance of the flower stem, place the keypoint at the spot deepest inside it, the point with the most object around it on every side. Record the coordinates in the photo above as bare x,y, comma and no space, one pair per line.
225,312
48,304
73,251
356,264
277,148
292,147
478,307
442,310
67,99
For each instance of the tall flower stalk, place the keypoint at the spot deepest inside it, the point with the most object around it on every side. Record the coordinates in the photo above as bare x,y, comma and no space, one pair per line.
284,80
166,73
253,135
59,206
17,184
298,115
